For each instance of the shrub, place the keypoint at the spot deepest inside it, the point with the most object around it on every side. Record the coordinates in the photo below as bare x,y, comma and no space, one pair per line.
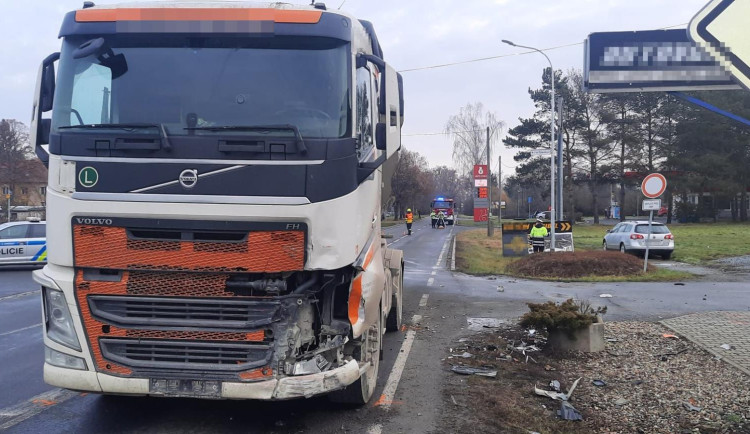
569,315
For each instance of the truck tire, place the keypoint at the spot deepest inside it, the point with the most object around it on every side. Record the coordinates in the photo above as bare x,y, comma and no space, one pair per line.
395,315
359,393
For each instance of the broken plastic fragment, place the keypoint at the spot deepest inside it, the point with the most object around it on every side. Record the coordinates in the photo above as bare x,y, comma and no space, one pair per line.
726,346
467,370
690,407
599,383
557,395
605,295
568,412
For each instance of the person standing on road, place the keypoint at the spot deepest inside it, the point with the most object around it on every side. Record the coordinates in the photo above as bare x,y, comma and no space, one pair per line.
537,234
433,218
409,220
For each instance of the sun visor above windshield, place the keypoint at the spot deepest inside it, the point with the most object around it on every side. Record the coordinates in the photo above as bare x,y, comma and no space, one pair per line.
189,21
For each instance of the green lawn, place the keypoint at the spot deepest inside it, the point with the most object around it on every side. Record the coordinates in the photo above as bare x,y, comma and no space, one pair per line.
695,243
480,255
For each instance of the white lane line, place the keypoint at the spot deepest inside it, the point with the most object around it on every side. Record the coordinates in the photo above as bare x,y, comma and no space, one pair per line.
415,319
22,294
430,281
11,416
444,249
423,301
434,272
389,391
20,330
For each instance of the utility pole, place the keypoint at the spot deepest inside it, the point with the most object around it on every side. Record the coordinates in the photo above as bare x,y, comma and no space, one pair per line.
560,159
500,187
489,187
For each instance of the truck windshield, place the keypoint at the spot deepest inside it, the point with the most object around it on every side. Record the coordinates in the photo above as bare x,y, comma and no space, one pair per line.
441,204
188,83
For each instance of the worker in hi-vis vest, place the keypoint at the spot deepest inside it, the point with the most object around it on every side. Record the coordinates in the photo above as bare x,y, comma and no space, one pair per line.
409,220
537,234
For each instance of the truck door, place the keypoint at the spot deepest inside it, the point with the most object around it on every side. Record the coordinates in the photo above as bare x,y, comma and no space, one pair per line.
13,244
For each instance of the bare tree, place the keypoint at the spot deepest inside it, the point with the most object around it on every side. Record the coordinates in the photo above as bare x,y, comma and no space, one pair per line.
14,151
468,129
411,183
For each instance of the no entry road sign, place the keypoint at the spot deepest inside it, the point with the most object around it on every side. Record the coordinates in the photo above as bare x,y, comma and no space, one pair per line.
654,185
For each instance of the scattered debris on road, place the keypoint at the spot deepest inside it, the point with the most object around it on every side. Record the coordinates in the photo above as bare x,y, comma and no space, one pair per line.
642,394
605,295
599,383
477,324
466,370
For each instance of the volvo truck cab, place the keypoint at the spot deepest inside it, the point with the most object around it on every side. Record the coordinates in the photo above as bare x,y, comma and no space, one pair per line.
215,181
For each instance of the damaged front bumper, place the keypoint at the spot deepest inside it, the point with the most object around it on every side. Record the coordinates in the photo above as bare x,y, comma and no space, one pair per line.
291,387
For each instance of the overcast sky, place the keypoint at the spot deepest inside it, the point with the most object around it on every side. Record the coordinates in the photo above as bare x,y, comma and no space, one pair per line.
413,34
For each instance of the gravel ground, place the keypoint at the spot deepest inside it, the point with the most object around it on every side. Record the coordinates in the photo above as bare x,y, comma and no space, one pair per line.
660,378
736,262
654,384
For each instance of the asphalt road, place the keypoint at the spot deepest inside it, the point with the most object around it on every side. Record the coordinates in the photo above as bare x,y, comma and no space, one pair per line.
437,304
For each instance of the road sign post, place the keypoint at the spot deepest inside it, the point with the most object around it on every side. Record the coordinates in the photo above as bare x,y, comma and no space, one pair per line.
652,187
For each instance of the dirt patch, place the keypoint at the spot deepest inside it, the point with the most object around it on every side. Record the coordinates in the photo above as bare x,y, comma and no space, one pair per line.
577,264
653,384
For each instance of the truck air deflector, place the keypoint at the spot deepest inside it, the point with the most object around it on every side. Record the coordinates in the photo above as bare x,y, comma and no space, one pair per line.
273,23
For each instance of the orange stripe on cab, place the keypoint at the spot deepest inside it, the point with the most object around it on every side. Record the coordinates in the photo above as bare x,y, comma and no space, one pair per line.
355,295
198,14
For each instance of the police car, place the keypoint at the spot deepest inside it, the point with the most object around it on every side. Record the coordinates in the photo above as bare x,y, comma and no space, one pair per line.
23,242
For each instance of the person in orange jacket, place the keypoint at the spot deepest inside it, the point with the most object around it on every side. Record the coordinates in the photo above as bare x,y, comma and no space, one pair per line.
409,220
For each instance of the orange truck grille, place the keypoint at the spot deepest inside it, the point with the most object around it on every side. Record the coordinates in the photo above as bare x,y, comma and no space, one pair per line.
159,307
113,248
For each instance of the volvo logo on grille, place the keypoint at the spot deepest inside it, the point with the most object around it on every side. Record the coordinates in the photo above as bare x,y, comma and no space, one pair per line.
188,178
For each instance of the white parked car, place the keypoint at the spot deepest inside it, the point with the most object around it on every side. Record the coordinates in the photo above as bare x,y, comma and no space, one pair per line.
23,242
630,237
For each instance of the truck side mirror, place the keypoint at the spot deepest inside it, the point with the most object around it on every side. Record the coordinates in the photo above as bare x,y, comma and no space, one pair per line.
43,100
48,87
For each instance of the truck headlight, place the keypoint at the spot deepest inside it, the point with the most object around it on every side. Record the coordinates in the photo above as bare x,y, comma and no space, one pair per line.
56,358
58,320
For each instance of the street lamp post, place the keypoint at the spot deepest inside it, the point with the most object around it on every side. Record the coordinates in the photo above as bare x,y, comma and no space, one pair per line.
552,140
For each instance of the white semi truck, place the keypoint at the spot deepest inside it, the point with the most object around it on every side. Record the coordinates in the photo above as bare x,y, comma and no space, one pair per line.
215,181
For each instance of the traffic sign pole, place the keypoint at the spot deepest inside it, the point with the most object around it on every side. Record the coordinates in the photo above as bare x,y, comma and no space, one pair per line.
648,240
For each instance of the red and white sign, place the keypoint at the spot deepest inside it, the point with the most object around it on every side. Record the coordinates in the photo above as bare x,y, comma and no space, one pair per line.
654,185
480,171
480,214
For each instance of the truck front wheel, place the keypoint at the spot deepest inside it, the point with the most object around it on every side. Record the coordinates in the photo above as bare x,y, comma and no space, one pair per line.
360,392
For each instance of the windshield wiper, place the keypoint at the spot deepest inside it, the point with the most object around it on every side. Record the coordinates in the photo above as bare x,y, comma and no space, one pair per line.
286,127
125,126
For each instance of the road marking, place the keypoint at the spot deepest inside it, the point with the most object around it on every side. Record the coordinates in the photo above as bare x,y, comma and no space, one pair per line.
430,281
434,272
18,413
444,249
375,429
389,391
22,294
416,318
20,330
423,301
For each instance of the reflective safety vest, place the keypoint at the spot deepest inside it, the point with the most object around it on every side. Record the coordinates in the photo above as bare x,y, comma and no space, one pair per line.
409,217
540,232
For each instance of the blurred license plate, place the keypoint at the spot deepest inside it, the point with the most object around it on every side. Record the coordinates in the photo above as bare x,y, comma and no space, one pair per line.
204,388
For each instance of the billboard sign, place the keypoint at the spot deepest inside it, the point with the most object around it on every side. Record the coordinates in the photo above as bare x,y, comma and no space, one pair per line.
654,60
481,199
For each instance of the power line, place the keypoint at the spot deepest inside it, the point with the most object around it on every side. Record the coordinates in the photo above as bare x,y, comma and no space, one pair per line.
482,59
441,133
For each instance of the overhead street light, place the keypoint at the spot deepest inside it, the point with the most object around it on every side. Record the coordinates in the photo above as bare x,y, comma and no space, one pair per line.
552,139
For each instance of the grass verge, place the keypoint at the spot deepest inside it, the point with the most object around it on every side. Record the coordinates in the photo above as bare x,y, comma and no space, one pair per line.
478,254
